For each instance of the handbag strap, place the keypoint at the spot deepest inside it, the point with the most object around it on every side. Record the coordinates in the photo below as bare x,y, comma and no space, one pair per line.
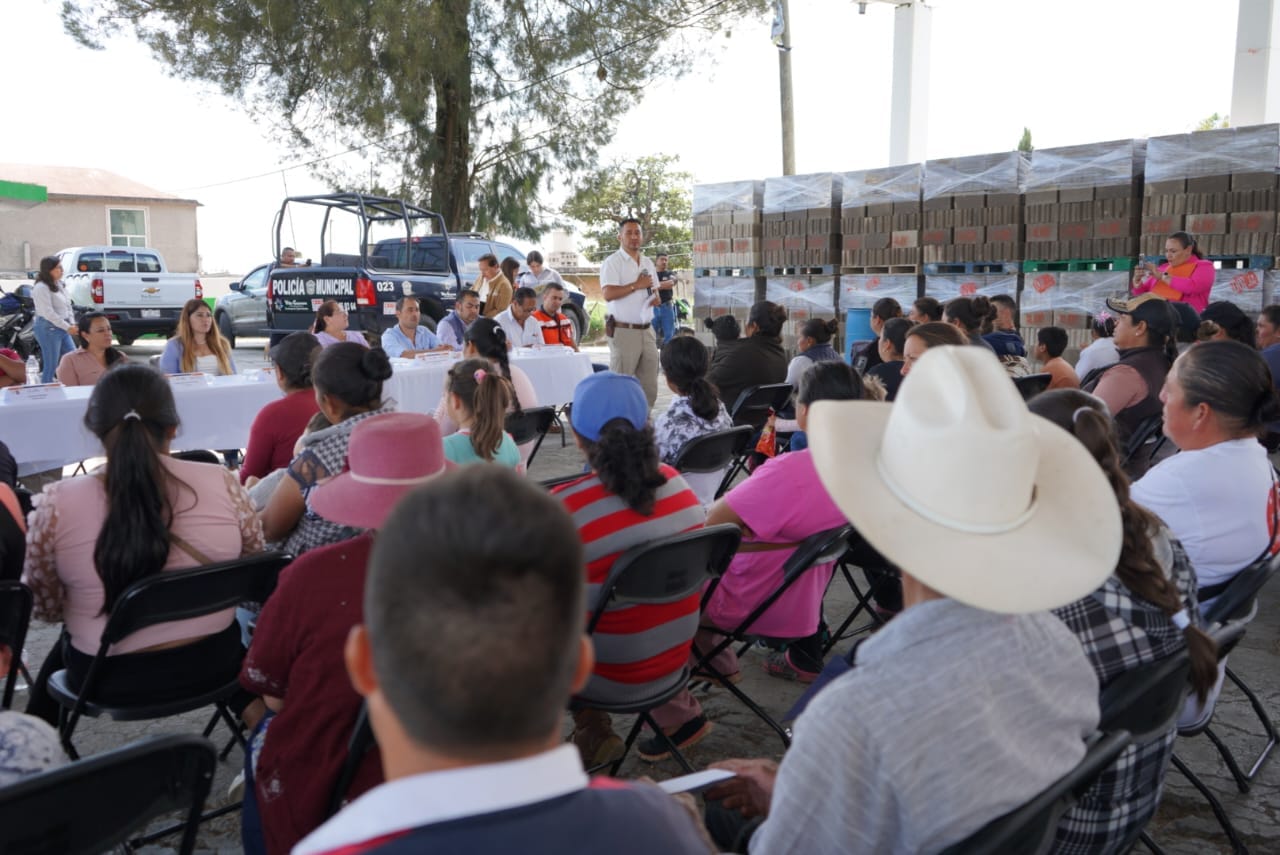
182,544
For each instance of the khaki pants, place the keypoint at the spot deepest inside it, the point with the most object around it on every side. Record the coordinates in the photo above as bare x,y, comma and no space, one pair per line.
635,352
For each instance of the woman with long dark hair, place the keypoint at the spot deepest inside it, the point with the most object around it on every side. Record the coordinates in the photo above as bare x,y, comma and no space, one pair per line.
55,322
141,514
96,354
970,315
695,410
1146,611
348,381
628,498
330,326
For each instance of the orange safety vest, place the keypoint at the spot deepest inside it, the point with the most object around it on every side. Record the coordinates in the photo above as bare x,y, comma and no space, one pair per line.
557,330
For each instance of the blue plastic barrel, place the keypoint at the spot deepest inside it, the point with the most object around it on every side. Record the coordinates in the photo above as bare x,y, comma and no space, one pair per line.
857,328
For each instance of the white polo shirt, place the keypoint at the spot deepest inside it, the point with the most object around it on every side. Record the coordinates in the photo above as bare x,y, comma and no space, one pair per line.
520,336
622,269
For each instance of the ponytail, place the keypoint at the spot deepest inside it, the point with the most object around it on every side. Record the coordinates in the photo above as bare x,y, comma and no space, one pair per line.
486,395
684,361
626,462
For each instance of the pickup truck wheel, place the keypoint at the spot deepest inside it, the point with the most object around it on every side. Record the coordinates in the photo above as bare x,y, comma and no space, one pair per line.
574,314
226,328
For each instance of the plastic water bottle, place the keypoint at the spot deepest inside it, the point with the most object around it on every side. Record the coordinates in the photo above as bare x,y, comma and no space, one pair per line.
33,370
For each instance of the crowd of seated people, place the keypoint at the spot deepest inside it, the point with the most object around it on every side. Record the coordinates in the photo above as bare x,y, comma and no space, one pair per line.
467,662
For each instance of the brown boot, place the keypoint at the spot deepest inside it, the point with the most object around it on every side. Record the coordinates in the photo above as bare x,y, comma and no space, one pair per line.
594,736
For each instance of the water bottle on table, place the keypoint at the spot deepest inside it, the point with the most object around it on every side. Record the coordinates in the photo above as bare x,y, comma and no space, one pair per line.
33,370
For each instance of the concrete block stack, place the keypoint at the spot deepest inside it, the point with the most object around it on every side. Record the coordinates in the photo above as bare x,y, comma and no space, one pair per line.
972,209
714,296
804,298
1084,201
801,224
726,225
1068,299
880,220
1219,185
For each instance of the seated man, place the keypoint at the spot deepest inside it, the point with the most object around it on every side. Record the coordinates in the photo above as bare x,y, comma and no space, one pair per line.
471,742
406,339
975,698
556,326
517,319
452,328
1051,343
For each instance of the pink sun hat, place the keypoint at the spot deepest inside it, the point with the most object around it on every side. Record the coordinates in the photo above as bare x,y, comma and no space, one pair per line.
387,456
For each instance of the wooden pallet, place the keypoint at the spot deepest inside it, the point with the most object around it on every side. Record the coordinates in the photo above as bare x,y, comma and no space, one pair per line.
729,272
821,270
905,269
945,268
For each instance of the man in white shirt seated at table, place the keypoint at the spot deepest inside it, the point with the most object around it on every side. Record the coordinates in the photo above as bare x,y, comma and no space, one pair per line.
517,319
453,327
406,339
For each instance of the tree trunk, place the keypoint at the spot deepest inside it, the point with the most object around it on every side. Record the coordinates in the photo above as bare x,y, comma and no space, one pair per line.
450,168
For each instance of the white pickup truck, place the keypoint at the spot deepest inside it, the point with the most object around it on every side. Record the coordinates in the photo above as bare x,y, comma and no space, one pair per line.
131,285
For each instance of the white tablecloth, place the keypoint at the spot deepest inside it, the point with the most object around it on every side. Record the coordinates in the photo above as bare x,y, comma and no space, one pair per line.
46,434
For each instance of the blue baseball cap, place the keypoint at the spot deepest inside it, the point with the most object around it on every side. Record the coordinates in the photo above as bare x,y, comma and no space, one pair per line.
603,397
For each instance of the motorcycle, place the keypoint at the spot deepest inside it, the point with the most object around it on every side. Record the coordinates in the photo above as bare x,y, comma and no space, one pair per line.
17,323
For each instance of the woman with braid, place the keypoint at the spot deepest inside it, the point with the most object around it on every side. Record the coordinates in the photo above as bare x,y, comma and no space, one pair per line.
1146,611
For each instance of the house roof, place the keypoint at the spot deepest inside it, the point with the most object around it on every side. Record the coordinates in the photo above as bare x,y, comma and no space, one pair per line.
78,182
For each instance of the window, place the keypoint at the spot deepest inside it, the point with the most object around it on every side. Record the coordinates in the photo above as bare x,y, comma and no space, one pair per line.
127,226
256,282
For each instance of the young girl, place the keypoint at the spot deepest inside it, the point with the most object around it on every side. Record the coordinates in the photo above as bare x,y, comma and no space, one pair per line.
476,398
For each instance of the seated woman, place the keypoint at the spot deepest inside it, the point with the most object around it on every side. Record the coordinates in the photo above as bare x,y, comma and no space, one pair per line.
893,340
866,355
695,410
1146,611
1144,340
278,425
1186,275
627,499
1218,495
197,345
476,397
83,367
813,345
923,337
298,645
330,326
348,380
781,504
1222,320
1101,350
756,360
970,315
486,339
144,513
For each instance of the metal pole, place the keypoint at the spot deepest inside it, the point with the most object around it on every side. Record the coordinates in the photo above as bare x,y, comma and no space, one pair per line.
1255,91
784,84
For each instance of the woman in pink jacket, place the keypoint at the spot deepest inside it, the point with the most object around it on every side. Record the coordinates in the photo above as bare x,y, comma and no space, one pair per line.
1186,276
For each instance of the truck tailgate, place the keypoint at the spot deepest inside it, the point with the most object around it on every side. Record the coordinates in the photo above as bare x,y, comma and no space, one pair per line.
147,290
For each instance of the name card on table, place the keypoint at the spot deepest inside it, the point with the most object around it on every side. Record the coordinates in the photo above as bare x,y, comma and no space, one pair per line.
442,357
194,378
32,394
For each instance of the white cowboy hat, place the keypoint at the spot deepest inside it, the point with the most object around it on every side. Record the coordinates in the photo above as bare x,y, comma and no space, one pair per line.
961,486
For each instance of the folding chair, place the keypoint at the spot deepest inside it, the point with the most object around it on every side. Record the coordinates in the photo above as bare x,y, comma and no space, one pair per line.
90,806
864,555
666,570
531,425
1031,385
752,409
361,742
712,453
15,616
165,597
552,483
817,549
1149,431
197,455
1029,830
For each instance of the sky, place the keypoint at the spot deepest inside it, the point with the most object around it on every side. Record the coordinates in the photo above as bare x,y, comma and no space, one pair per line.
1078,72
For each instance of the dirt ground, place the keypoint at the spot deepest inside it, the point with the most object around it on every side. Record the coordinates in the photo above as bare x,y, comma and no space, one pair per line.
1183,826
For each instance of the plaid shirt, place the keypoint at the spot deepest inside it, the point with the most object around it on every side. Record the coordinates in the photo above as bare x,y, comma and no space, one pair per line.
1120,631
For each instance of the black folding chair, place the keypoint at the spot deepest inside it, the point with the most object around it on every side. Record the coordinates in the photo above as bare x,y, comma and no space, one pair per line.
552,483
714,452
1031,385
666,570
15,616
1029,830
531,425
165,597
198,455
93,805
362,741
879,574
1149,432
752,409
817,549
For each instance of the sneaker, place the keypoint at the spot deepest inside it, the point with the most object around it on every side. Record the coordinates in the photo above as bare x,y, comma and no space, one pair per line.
687,735
779,665
597,743
235,792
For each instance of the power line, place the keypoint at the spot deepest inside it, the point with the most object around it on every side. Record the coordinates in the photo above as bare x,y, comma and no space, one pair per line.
583,64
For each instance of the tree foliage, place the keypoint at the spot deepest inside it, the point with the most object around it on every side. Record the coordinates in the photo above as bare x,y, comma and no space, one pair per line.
649,189
474,106
1208,123
1024,144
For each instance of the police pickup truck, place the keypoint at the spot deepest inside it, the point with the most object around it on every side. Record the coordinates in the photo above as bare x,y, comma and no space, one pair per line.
368,281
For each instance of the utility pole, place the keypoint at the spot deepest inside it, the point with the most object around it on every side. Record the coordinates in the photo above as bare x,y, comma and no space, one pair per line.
784,85
1255,91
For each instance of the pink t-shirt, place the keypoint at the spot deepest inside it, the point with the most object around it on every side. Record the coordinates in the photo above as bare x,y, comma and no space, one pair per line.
215,516
782,502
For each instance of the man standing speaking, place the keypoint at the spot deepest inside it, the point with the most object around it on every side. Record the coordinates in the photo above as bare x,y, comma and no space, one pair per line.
627,280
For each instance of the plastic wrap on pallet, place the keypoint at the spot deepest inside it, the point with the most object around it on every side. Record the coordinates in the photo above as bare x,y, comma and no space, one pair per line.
1003,172
1087,290
703,289
1222,151
861,291
737,294
1245,288
727,196
945,288
875,186
1269,283
803,296
1092,165
794,192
